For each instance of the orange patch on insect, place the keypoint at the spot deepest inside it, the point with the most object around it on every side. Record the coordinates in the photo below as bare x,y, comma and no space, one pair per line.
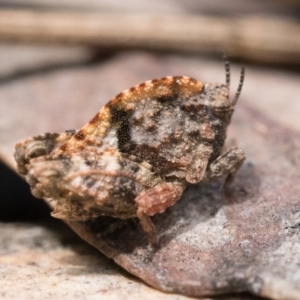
79,135
161,87
63,147
98,126
95,120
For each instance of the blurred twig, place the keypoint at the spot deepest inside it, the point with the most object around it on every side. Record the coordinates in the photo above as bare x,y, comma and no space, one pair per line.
256,38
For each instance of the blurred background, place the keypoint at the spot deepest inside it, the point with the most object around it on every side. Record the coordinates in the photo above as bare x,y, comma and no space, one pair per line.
60,61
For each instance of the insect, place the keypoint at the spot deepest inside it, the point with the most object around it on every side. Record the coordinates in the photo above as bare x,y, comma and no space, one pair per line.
138,154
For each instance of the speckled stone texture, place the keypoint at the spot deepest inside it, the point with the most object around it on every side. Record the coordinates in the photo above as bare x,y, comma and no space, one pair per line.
47,260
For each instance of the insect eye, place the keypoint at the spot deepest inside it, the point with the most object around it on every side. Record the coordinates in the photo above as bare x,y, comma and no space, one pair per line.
36,149
221,108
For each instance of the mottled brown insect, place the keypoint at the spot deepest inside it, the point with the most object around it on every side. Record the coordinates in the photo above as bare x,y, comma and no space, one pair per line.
138,154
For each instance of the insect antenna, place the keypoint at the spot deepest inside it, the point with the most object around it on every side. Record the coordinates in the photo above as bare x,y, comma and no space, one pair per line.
238,92
227,69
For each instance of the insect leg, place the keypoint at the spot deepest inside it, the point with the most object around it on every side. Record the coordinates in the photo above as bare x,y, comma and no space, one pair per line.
156,200
226,164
